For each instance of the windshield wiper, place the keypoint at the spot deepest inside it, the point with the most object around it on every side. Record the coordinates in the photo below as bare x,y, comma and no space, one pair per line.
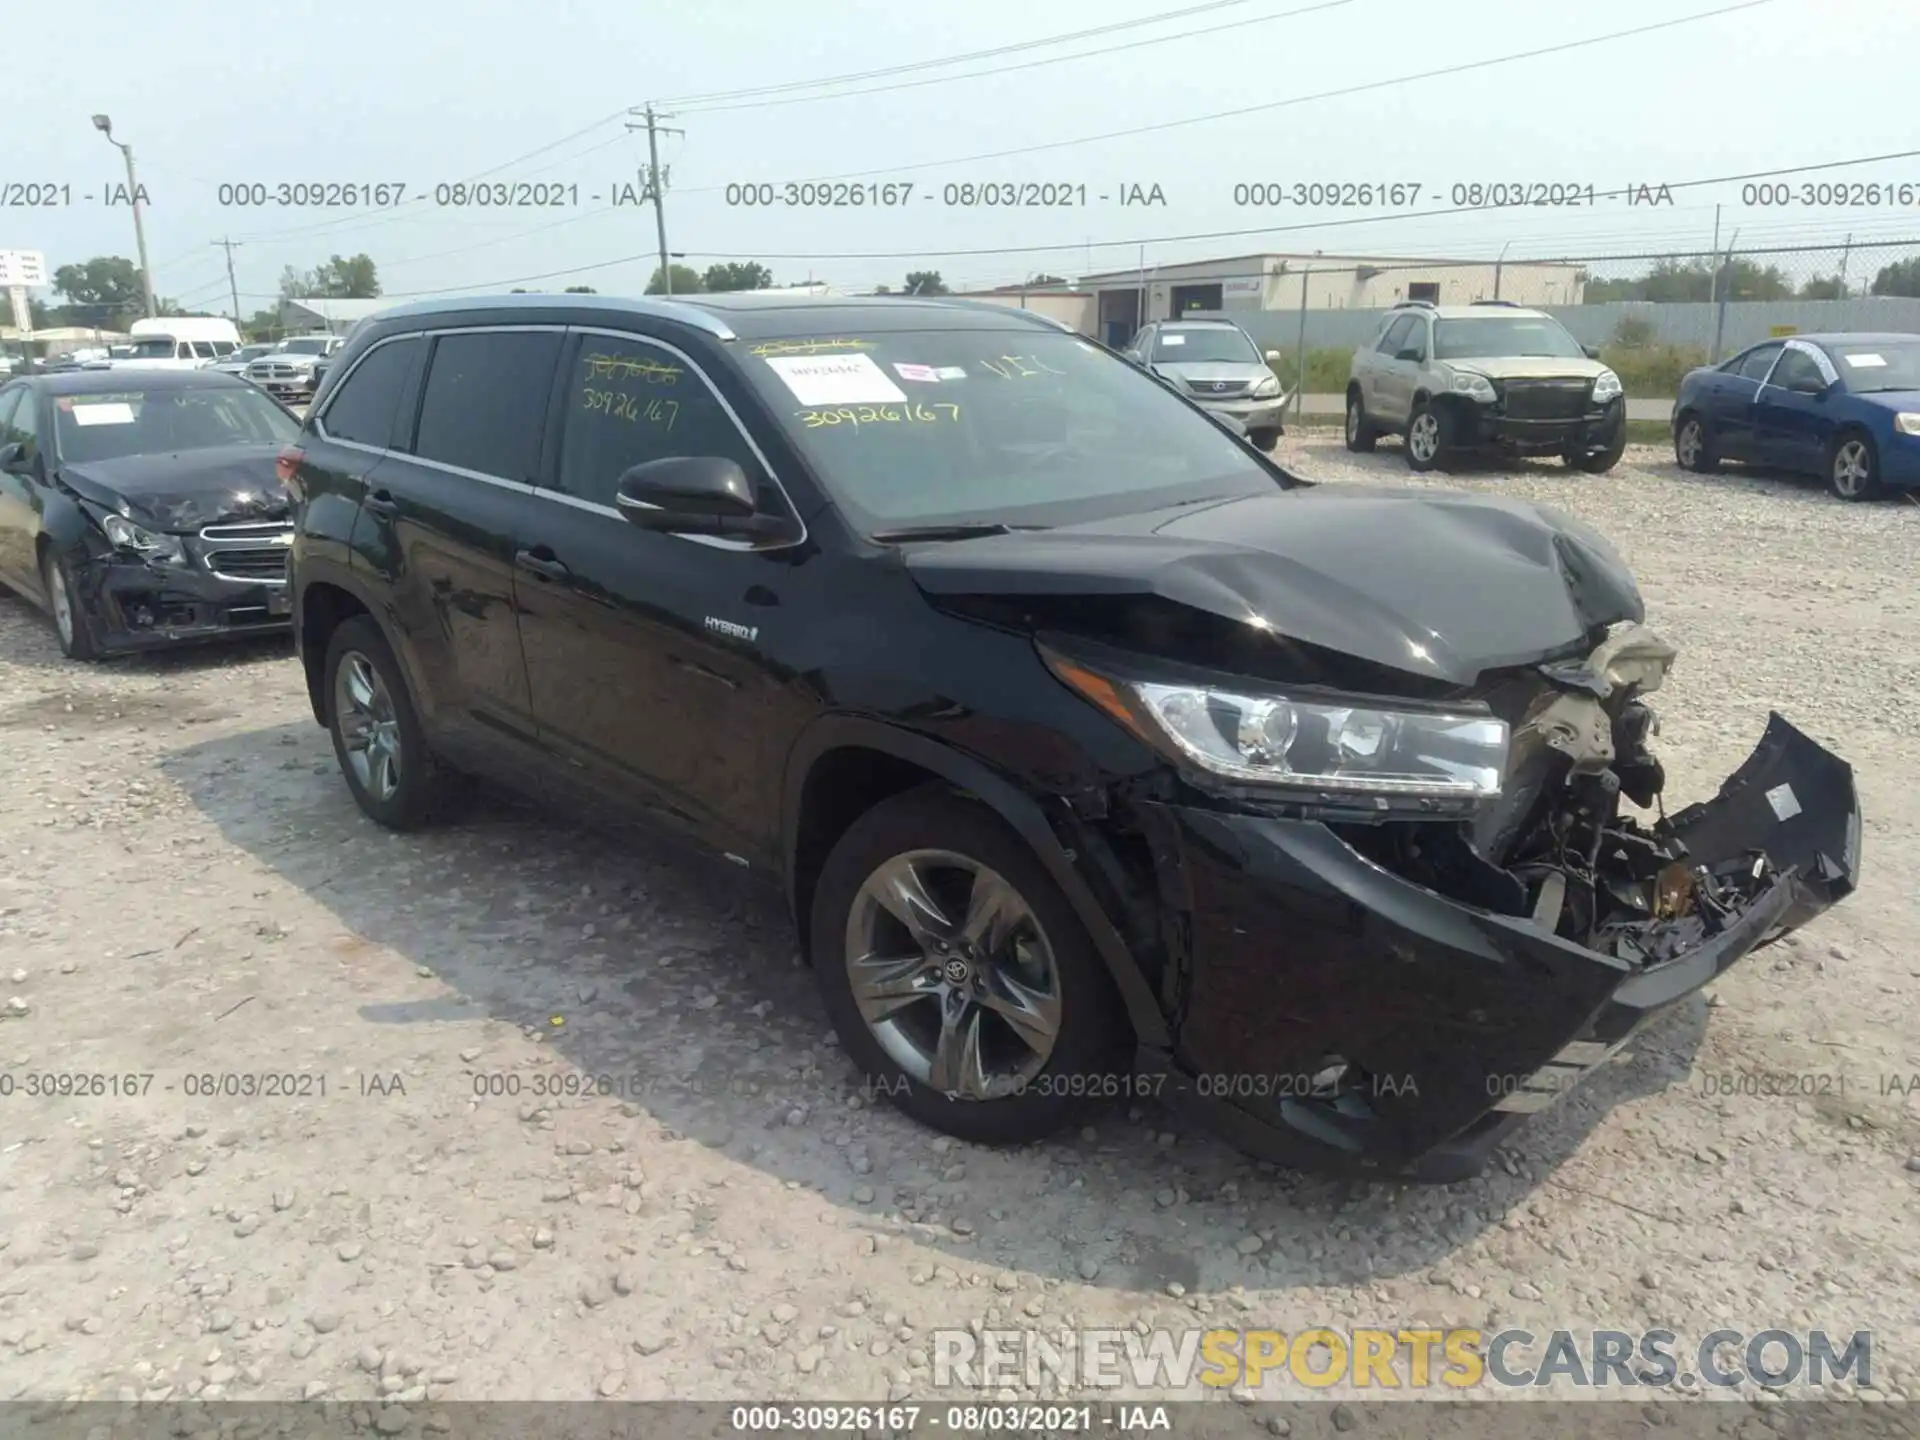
957,531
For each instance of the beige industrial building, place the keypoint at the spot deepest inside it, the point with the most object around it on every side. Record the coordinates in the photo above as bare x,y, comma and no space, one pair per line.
1270,282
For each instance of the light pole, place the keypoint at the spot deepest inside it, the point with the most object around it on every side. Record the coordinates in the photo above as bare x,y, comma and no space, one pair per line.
105,127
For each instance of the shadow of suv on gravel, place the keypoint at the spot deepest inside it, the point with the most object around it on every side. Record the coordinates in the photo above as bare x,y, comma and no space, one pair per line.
1097,755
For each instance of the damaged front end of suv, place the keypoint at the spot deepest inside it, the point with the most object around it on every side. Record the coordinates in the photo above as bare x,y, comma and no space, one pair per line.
1389,872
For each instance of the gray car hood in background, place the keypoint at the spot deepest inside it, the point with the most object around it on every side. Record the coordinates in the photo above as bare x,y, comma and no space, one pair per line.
1433,584
1246,371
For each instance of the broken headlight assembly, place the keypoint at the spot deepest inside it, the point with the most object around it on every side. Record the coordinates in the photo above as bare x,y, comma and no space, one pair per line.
147,544
1323,744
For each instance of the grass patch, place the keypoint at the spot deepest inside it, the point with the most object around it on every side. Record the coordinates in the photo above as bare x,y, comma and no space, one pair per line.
1650,372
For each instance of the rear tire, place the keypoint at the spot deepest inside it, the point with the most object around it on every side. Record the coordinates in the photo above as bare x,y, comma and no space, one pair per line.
1361,436
1264,440
1853,467
70,625
377,737
1429,437
942,994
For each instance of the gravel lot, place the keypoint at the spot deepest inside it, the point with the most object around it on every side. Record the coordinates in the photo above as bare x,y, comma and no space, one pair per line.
187,891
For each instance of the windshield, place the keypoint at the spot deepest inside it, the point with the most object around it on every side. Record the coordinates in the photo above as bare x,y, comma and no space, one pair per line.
304,347
1503,336
1206,343
152,422
153,347
253,352
1019,427
1875,366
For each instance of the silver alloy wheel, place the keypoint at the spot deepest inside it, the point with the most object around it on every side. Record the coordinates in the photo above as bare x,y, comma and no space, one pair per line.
969,1007
1852,467
60,600
1423,436
369,730
1689,443
1353,420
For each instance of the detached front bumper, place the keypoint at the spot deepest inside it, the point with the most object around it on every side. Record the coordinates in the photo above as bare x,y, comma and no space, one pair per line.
1270,414
1448,1024
148,607
1595,428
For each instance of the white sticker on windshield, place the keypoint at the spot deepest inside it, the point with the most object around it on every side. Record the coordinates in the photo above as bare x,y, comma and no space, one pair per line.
1785,803
1173,339
836,380
924,373
118,414
1866,362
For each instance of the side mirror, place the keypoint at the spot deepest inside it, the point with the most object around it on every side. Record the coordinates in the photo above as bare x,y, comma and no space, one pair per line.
12,458
692,495
1411,353
1810,385
1273,355
1592,351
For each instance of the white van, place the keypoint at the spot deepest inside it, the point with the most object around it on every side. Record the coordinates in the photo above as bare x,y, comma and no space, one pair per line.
182,342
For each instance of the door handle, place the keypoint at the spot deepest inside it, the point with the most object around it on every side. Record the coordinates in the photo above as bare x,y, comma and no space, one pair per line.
542,562
381,502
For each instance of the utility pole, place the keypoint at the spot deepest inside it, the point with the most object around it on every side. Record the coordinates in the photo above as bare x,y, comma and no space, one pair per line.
1713,281
233,285
1846,254
656,186
105,127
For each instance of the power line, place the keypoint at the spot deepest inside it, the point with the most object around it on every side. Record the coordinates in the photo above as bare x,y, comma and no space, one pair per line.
1025,65
1360,89
690,101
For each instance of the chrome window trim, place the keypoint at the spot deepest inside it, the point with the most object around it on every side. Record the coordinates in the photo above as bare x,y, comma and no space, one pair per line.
716,542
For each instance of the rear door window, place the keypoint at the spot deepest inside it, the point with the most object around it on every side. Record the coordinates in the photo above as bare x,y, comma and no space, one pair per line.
367,402
485,401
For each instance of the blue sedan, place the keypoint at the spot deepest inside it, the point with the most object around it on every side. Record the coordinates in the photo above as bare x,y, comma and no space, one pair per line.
1843,407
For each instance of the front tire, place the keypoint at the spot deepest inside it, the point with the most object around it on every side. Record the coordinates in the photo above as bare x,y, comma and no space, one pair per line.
1264,440
1599,462
1361,436
1429,437
958,976
1853,467
376,730
70,625
1693,445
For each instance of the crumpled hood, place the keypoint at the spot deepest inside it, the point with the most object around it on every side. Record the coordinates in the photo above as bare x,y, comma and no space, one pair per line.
1242,370
1438,585
1529,367
180,491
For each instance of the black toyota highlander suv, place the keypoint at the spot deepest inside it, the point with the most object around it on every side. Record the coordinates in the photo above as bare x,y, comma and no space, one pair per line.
1096,754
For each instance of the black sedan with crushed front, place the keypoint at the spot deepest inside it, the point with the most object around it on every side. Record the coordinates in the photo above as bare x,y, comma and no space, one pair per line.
143,509
1098,755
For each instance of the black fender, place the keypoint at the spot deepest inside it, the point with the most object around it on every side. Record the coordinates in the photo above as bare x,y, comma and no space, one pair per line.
976,778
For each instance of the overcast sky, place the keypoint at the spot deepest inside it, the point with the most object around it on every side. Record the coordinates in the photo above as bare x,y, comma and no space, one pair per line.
432,92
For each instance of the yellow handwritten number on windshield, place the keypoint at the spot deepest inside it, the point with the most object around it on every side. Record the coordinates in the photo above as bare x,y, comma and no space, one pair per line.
857,415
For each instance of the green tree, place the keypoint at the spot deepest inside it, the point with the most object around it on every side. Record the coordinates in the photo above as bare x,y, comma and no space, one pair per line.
686,281
1824,287
339,278
104,291
1902,277
1634,332
1045,279
580,290
925,282
738,275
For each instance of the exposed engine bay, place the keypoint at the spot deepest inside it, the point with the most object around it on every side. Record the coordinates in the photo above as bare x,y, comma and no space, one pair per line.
1556,845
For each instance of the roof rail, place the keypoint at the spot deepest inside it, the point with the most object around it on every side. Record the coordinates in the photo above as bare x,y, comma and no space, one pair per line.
1416,304
685,314
1505,304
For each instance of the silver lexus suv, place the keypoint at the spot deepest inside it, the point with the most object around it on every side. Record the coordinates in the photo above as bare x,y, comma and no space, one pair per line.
1217,365
1485,376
